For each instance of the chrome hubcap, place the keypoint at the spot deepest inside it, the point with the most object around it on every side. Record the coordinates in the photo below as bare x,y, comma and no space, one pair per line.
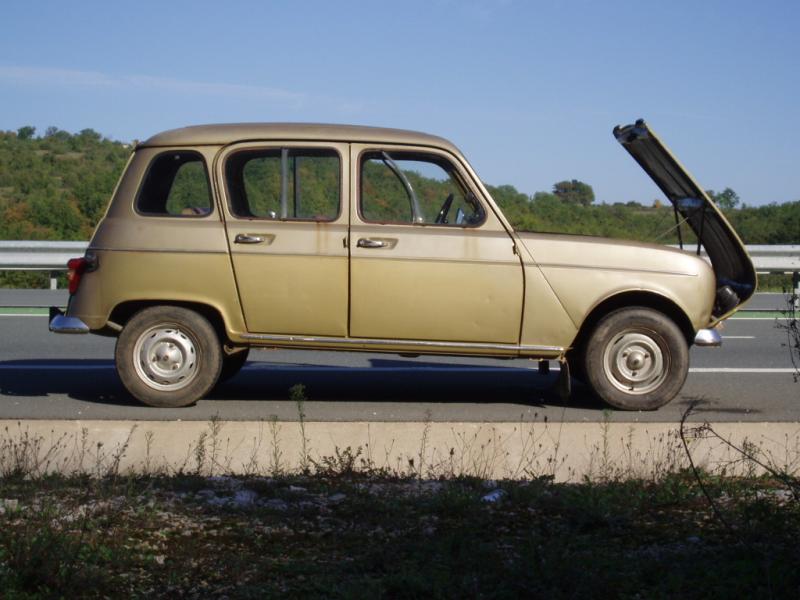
165,358
634,363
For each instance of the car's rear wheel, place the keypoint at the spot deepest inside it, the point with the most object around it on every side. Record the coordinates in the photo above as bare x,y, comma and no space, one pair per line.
636,359
168,356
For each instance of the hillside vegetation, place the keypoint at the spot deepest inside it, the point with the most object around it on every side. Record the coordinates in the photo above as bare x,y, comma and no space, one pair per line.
56,186
770,224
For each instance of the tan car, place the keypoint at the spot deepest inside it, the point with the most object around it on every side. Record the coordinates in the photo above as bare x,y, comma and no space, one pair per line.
220,238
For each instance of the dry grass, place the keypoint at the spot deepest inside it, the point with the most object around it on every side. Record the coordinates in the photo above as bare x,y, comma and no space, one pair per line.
347,525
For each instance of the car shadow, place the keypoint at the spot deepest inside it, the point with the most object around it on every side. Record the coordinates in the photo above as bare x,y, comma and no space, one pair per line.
384,380
697,406
388,380
88,380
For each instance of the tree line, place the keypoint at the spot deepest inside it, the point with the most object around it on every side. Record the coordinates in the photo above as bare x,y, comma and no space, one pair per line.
555,212
55,186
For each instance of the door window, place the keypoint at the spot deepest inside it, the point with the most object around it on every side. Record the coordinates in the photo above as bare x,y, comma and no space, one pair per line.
415,188
287,184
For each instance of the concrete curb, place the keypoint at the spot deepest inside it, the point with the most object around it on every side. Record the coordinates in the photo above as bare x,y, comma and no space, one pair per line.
568,451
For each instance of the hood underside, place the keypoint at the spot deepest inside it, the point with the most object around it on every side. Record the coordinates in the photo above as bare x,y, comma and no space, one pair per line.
729,259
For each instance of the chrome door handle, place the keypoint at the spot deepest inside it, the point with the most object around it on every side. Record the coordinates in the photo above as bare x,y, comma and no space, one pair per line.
368,243
248,238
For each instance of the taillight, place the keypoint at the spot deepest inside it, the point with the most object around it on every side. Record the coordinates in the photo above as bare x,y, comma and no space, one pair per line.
76,267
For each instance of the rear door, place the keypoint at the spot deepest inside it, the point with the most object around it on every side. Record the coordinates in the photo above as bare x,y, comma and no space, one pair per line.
429,259
286,212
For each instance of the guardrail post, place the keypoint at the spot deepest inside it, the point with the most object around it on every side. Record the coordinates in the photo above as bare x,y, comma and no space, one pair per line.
53,280
796,286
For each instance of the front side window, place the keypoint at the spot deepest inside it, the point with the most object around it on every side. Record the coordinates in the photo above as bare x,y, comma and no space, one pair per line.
176,184
410,187
284,184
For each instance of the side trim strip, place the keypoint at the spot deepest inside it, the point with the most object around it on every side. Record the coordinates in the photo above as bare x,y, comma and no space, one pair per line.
266,254
601,268
159,250
300,339
511,261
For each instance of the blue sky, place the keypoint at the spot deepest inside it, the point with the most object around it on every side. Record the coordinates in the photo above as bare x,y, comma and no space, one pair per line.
529,90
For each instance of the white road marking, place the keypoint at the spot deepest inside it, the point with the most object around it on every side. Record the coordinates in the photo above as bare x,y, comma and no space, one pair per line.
760,318
40,367
737,370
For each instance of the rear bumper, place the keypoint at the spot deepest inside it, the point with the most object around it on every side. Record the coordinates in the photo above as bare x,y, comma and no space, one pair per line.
708,338
61,323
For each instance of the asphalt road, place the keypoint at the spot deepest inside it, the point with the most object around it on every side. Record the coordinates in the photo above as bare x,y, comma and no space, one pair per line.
49,376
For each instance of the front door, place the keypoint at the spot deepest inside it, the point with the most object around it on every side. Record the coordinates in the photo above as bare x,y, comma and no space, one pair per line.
429,258
286,213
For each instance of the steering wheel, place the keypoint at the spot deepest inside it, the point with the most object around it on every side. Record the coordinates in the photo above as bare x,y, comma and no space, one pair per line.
442,216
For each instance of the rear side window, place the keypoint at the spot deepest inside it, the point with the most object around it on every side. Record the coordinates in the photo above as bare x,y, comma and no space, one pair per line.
176,185
289,184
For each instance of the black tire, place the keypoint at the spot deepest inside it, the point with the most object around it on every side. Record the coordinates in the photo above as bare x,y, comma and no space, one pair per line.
636,359
232,364
168,356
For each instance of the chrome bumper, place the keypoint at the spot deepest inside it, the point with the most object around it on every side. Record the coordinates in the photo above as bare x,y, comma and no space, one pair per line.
61,323
708,338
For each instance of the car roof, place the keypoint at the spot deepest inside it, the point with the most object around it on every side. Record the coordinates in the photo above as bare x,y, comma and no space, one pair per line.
222,134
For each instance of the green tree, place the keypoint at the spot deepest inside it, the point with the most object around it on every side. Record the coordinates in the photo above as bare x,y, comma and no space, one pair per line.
26,132
574,192
727,199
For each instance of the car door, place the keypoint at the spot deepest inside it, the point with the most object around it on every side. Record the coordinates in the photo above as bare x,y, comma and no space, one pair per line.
286,214
429,260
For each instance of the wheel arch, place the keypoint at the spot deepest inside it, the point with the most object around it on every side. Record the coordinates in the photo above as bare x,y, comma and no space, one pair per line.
631,299
123,311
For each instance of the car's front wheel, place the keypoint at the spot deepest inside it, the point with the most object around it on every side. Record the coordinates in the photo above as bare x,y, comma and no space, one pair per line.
636,359
168,356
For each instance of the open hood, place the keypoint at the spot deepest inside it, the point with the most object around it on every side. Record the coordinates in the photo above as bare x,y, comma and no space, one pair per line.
736,276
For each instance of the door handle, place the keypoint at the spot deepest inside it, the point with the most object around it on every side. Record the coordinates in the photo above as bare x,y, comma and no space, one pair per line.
368,243
248,238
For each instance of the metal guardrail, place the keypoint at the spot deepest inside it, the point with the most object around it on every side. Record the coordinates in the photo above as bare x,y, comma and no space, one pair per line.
38,256
26,255
774,259
53,257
